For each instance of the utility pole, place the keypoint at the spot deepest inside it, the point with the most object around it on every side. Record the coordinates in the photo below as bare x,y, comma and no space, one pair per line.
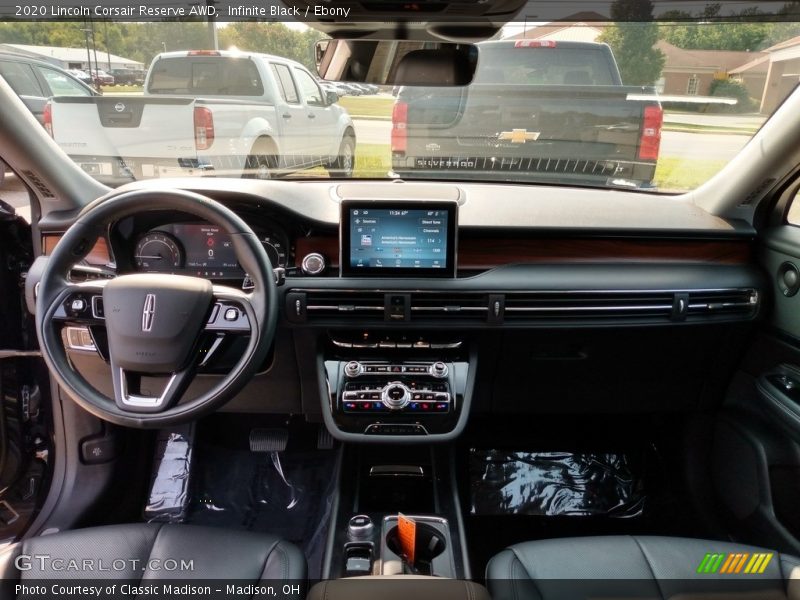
86,31
94,46
212,23
108,50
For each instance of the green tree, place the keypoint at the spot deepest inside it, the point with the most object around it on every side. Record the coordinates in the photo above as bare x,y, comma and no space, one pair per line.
272,38
632,37
748,30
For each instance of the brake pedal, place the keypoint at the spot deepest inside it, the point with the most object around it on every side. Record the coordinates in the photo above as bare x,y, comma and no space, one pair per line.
324,438
268,440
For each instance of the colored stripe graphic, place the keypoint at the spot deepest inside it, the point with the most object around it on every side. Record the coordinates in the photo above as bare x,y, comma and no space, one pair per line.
735,563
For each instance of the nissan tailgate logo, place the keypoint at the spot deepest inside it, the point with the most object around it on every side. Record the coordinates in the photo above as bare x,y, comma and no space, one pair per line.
119,107
148,312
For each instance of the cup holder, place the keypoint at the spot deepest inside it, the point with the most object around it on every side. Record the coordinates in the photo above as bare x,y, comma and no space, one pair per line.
430,543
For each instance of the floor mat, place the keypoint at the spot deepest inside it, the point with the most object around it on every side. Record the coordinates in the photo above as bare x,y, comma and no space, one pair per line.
287,494
553,484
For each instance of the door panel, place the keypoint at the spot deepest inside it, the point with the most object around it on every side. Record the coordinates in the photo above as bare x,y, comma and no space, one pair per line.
756,457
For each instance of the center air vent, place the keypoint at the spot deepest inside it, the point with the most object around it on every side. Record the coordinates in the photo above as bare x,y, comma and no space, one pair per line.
518,307
446,306
588,305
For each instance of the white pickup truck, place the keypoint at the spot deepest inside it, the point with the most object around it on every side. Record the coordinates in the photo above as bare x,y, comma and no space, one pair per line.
239,114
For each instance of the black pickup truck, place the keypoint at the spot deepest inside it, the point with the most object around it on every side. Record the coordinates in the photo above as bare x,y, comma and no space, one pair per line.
554,111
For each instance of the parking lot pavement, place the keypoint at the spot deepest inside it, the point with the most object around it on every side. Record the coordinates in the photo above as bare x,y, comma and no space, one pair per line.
15,194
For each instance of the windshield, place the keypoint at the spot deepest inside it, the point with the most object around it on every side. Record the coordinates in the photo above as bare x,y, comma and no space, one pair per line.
656,107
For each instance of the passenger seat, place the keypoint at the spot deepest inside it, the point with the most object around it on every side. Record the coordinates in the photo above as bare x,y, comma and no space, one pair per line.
641,567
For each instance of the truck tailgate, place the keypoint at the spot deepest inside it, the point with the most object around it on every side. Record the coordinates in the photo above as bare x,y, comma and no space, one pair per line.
124,126
567,122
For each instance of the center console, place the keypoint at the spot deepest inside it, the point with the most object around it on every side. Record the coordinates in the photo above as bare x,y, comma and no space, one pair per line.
381,482
392,384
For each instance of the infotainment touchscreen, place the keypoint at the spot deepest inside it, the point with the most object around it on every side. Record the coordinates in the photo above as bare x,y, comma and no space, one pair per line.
387,238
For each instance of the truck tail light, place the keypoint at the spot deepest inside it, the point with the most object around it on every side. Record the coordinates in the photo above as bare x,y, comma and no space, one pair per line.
399,127
47,118
203,128
535,44
203,53
650,140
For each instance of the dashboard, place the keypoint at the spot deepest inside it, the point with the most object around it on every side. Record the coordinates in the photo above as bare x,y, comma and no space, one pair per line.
400,349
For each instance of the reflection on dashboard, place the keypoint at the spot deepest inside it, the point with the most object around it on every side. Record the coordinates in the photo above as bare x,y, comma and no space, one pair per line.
198,249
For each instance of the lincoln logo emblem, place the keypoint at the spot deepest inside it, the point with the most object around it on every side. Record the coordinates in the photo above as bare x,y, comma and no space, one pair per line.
148,312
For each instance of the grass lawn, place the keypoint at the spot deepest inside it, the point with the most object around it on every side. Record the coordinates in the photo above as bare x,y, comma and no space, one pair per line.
374,107
691,128
681,174
372,160
123,89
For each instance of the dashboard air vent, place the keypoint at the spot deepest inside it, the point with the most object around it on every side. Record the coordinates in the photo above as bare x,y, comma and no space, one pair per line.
742,302
446,306
588,305
336,304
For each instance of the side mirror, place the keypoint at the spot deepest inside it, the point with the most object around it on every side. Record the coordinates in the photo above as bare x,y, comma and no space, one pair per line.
331,97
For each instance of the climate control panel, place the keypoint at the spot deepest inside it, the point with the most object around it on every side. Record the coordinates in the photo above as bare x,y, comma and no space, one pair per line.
395,391
396,398
397,395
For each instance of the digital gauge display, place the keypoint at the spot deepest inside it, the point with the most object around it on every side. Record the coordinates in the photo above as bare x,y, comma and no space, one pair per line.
199,250
209,249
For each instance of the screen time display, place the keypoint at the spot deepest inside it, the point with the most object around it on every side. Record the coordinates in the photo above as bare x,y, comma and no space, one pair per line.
398,238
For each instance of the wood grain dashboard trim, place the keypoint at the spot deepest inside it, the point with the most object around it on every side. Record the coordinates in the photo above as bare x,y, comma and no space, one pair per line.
98,256
484,253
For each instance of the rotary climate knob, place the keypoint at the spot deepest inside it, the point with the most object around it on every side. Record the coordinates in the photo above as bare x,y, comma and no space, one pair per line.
438,369
395,395
352,369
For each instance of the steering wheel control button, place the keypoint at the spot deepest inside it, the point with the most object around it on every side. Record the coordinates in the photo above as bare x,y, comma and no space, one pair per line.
214,313
79,338
360,527
231,314
78,305
98,311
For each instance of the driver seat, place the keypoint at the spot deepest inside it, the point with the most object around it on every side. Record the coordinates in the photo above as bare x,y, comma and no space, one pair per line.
148,551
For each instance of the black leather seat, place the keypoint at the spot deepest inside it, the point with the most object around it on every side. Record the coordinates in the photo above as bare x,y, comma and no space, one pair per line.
145,551
638,567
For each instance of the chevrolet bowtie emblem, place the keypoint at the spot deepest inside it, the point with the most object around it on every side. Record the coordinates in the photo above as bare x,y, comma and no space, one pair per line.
519,136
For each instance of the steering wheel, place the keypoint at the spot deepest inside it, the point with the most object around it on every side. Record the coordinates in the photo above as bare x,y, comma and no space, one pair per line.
156,324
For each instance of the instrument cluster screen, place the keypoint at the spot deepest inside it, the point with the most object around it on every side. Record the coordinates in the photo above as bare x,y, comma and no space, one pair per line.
399,238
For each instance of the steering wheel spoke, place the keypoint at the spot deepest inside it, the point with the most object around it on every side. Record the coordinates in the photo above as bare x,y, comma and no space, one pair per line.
81,302
232,312
129,397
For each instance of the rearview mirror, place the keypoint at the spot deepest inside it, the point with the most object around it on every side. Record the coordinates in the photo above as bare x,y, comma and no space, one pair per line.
396,62
331,97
